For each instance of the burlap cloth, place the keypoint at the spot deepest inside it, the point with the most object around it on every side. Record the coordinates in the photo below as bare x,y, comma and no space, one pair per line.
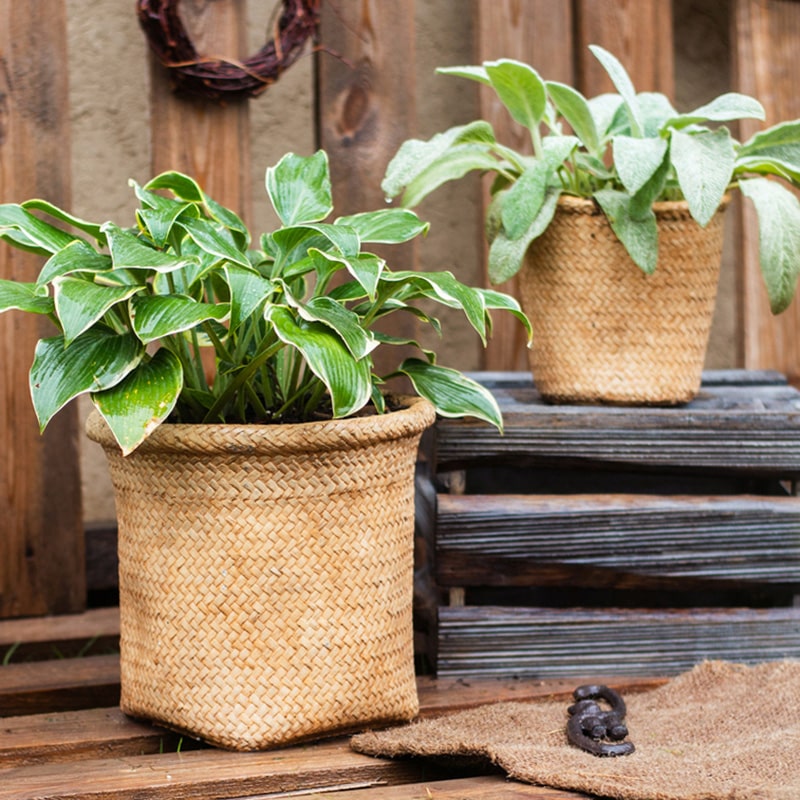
719,731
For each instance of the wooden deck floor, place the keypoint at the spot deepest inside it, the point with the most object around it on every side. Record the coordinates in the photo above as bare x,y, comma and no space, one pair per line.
63,736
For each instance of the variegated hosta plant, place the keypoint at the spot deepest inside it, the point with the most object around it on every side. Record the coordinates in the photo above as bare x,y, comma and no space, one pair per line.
625,150
292,340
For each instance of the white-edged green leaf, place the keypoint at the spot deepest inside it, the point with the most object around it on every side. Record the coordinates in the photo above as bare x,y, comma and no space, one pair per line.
345,323
293,243
43,237
386,226
506,255
80,303
91,228
366,268
778,213
129,252
142,400
520,90
299,188
96,360
452,393
156,316
415,157
471,73
704,164
159,222
214,240
638,233
180,185
348,380
30,297
725,108
573,106
446,289
637,160
77,256
249,291
500,301
622,82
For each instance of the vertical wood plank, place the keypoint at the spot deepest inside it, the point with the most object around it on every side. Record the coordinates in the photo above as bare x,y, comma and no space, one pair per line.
202,138
766,52
366,110
538,32
637,32
41,536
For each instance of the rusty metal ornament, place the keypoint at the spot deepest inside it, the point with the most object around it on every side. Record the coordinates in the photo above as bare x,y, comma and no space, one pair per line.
597,730
217,78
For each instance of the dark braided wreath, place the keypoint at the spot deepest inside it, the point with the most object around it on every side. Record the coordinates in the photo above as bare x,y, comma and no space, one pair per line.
219,79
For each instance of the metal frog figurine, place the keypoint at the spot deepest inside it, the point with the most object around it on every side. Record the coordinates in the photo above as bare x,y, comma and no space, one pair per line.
590,727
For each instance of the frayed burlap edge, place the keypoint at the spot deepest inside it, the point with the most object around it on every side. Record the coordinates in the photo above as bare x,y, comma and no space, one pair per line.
721,731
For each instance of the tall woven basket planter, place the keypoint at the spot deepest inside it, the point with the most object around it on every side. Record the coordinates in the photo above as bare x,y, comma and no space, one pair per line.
266,576
604,332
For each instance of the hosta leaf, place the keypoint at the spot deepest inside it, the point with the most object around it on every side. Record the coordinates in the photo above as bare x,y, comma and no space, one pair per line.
386,226
80,303
778,213
300,188
92,228
156,316
443,287
180,185
159,222
25,297
622,82
637,232
499,301
249,291
452,393
96,360
506,255
520,90
366,268
573,106
344,322
704,164
142,400
292,243
77,256
347,379
726,107
637,160
43,237
128,251
214,240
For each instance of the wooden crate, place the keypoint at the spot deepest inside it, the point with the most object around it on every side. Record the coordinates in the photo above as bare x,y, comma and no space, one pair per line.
643,538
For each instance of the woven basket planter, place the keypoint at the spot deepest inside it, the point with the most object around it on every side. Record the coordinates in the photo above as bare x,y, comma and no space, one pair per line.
266,576
604,332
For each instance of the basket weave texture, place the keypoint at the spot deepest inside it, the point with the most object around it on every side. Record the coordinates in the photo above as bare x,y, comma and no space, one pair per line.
604,332
266,576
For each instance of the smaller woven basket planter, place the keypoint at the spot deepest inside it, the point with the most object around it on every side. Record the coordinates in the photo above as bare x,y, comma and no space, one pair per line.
266,576
603,331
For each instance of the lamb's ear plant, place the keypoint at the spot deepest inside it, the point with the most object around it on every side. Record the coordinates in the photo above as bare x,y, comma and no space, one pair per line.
292,319
625,150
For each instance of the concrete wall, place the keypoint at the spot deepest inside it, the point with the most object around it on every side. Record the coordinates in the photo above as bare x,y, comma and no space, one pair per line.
110,141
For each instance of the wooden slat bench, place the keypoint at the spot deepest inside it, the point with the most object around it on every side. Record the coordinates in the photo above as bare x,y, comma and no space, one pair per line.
63,736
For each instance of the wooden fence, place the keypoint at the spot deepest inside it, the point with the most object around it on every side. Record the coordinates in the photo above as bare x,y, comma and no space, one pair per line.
366,110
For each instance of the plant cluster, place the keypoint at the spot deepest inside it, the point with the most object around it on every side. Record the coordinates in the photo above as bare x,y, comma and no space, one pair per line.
626,151
292,320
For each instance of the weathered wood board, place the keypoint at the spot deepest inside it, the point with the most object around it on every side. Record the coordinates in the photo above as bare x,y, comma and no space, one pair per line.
485,641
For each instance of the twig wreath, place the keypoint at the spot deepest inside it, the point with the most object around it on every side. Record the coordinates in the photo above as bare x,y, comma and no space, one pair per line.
218,78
